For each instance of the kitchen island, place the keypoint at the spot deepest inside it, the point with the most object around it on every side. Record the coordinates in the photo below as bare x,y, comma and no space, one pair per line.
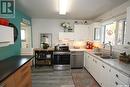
15,71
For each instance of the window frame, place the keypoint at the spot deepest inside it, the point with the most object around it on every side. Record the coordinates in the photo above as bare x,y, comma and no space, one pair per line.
124,30
103,38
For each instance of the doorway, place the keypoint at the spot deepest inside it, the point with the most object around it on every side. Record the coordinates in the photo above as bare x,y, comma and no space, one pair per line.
25,36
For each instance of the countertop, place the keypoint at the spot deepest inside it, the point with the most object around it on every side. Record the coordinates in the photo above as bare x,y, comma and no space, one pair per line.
122,67
11,64
72,49
41,49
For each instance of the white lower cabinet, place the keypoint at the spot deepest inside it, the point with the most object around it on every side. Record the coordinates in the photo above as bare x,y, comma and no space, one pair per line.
119,80
119,83
87,62
104,74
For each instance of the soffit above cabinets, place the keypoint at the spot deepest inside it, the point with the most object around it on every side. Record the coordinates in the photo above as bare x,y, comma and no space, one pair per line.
77,9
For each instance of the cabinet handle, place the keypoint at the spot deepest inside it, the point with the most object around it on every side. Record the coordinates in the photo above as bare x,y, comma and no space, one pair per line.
116,83
117,75
103,66
109,70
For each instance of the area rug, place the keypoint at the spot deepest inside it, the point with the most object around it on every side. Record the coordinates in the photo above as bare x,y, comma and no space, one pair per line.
82,78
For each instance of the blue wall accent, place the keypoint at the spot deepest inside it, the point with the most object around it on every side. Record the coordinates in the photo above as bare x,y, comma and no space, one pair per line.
14,49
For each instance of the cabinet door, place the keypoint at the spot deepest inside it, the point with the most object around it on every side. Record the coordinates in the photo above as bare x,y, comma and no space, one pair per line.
9,82
82,32
105,76
118,83
66,36
86,60
85,54
23,76
97,68
119,79
90,64
7,34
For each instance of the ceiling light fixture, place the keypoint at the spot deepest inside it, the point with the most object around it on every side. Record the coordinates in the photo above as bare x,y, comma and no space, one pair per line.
63,7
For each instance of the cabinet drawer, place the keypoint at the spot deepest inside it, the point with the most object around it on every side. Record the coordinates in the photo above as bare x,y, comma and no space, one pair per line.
118,83
116,74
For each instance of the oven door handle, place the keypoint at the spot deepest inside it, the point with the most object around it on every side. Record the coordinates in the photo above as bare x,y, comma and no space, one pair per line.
61,53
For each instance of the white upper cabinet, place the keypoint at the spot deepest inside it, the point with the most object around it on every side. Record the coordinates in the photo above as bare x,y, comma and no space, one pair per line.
6,35
82,32
66,36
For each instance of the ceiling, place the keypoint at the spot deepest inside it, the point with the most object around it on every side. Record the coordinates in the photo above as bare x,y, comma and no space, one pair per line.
77,9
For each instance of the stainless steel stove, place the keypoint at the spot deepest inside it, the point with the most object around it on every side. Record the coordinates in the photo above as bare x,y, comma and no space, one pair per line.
61,57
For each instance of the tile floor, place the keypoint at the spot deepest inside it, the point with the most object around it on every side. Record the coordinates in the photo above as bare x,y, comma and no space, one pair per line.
47,77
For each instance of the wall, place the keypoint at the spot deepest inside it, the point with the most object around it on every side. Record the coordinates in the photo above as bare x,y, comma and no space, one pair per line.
15,48
47,26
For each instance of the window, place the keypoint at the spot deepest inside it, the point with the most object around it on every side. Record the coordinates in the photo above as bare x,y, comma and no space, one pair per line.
121,32
110,33
23,35
114,32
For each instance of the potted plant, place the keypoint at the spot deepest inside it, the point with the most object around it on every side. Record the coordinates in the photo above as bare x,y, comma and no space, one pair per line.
45,45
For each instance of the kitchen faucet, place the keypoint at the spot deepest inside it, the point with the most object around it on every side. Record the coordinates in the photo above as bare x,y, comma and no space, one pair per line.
109,43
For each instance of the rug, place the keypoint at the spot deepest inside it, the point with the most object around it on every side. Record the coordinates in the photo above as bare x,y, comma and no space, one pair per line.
82,78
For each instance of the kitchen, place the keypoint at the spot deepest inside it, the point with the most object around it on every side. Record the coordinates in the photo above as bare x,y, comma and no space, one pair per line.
87,46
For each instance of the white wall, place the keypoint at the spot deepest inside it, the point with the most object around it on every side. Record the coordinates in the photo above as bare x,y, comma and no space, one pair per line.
47,26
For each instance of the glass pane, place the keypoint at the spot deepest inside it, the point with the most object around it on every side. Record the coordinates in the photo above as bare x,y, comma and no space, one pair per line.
110,33
120,36
22,34
125,31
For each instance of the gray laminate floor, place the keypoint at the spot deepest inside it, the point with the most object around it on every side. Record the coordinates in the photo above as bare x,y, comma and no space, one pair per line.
47,77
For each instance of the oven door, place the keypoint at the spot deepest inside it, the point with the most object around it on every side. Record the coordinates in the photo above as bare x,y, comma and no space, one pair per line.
61,61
